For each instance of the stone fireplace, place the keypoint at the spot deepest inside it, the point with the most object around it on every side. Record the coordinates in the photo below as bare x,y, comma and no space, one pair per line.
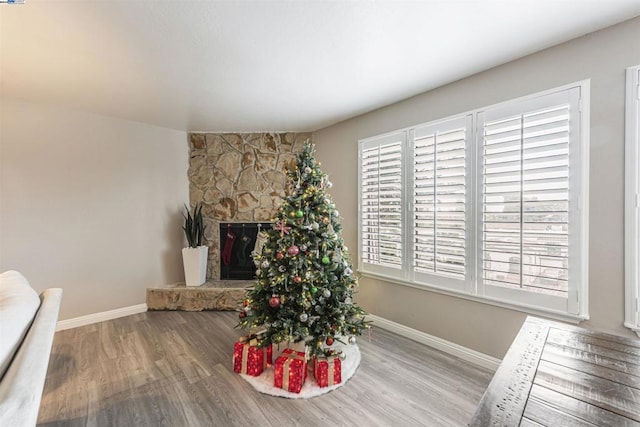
239,178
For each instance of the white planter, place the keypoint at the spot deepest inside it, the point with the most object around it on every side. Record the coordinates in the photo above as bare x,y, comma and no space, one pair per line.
195,265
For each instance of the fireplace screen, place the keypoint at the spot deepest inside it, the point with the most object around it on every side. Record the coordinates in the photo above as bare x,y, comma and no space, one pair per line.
238,241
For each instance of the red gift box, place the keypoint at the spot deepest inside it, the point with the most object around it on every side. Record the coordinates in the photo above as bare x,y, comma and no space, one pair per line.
327,370
290,370
248,358
268,356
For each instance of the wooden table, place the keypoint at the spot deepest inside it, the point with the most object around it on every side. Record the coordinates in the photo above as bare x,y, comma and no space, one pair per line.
560,375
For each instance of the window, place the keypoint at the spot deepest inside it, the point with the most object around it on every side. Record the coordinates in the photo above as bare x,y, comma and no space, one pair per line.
490,204
381,225
528,199
632,191
440,201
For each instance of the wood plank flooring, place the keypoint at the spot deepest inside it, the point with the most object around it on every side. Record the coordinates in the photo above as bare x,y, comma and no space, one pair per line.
174,369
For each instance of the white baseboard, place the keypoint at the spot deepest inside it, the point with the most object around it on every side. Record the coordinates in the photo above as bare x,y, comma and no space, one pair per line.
100,317
448,347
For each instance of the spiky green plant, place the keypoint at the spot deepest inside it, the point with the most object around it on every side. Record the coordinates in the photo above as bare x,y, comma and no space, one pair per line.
194,226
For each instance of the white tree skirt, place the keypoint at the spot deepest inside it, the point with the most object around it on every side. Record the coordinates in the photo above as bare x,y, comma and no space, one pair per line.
264,382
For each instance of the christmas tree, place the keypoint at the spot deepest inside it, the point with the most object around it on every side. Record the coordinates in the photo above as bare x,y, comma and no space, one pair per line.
305,280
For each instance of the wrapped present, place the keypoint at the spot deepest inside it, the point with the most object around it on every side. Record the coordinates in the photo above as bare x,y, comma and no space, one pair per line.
290,370
268,356
248,358
327,370
268,349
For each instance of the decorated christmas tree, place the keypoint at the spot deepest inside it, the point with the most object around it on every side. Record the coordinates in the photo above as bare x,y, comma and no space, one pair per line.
304,280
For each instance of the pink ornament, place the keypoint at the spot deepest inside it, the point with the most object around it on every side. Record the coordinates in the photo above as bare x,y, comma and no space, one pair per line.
293,250
282,228
274,302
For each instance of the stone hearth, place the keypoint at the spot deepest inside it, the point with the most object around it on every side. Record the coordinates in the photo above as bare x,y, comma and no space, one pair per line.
212,295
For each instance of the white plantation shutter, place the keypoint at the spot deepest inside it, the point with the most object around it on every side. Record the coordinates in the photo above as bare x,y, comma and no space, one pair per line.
440,204
527,198
381,208
491,204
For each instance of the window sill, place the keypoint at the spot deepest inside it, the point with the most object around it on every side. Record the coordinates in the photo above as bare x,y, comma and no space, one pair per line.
536,311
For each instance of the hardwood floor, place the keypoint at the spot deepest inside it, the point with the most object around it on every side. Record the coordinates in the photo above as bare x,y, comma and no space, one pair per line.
171,368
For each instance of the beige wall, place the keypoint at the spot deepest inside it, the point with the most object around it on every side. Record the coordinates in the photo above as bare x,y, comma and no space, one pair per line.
90,204
601,57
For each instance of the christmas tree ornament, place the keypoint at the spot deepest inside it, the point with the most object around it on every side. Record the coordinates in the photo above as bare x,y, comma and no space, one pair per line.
348,300
313,290
352,340
274,301
307,170
292,214
282,269
297,279
326,220
348,271
304,317
329,341
279,255
299,214
293,250
342,355
303,248
326,260
242,315
245,303
326,293
336,213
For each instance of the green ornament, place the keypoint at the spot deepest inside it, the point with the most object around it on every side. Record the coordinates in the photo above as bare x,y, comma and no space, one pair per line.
313,290
299,214
326,260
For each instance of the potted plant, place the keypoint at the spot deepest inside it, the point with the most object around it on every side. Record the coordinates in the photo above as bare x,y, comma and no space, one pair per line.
194,257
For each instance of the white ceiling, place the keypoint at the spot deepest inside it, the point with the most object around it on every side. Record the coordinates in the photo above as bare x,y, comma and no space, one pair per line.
269,65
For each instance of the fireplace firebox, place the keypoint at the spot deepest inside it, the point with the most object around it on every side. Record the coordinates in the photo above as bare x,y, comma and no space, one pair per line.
237,243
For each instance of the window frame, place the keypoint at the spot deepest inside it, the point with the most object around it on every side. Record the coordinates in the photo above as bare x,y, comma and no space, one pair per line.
472,288
632,199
